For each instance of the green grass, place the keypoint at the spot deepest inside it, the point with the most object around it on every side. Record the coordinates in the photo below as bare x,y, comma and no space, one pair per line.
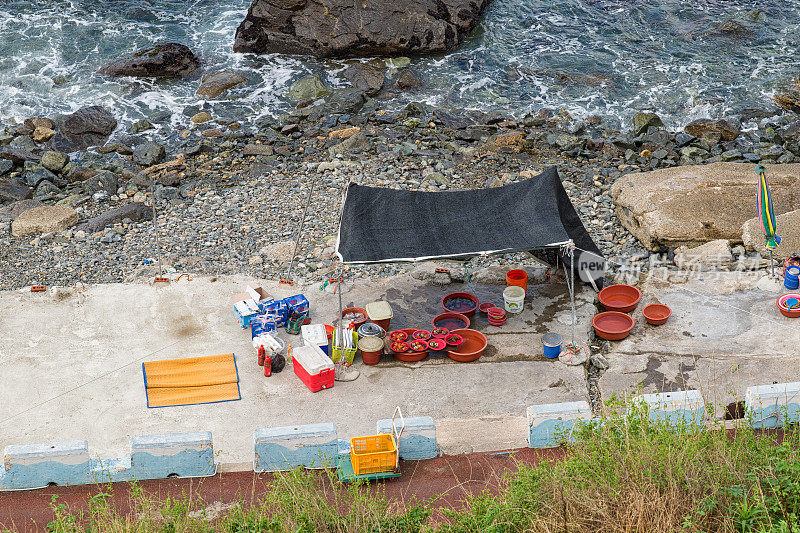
626,475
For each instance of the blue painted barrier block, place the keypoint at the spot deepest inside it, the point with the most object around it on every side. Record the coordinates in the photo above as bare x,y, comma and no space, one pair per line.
685,407
773,406
552,422
181,454
284,448
418,440
30,466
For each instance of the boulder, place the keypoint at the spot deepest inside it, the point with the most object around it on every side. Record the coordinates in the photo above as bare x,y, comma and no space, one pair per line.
54,161
167,60
5,166
310,86
733,29
642,122
42,134
136,211
36,174
15,209
46,188
365,77
13,190
707,256
215,83
141,125
39,122
788,225
407,80
88,126
788,101
102,181
341,28
44,219
691,205
340,102
698,128
356,143
200,118
17,155
148,154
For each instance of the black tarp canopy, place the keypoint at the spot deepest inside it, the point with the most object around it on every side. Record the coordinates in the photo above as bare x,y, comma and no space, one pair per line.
382,225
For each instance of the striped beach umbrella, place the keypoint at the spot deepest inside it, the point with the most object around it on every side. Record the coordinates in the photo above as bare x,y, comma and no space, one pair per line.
766,214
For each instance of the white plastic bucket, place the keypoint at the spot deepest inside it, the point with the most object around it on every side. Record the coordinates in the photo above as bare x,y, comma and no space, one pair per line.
514,298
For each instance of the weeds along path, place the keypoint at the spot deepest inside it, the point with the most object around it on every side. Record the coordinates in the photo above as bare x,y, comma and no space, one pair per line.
441,482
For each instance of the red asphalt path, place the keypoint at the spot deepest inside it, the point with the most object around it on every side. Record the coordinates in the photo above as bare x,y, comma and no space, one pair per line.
442,482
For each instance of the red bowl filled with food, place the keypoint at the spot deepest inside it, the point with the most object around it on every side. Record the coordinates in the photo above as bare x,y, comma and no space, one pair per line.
612,325
398,335
656,314
454,339
437,345
421,334
418,345
464,303
399,346
355,314
440,333
622,298
473,343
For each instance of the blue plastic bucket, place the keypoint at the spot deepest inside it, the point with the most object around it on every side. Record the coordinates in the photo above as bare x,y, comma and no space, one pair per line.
792,279
551,343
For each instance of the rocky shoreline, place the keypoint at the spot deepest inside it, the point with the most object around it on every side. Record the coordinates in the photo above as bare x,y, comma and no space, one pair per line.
229,195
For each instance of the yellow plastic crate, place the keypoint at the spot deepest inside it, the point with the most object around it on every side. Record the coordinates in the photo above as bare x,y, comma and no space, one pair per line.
374,453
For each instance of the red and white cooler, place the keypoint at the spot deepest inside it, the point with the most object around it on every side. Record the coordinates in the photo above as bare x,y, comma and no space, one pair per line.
313,367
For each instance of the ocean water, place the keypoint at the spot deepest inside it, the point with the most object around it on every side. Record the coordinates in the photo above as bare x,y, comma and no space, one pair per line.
607,57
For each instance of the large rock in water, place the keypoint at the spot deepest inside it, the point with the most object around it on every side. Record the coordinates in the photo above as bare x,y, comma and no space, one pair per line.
168,60
694,204
88,126
342,28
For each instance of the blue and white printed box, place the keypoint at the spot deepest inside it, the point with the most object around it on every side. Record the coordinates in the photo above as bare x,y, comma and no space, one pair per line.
284,448
245,311
418,440
773,406
685,407
549,424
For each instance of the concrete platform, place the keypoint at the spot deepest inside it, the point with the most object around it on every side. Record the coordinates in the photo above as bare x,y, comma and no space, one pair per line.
724,335
70,367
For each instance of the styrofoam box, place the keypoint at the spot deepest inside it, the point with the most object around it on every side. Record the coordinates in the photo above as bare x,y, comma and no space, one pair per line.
314,334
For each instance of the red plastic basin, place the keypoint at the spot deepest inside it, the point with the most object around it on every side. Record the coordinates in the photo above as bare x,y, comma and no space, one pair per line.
471,349
450,321
612,325
656,314
623,298
454,298
784,309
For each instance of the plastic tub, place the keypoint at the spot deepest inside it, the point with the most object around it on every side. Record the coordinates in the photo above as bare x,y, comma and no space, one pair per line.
485,306
471,349
791,278
517,278
514,298
551,344
380,313
784,308
656,314
464,303
612,325
622,298
350,313
371,350
450,321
